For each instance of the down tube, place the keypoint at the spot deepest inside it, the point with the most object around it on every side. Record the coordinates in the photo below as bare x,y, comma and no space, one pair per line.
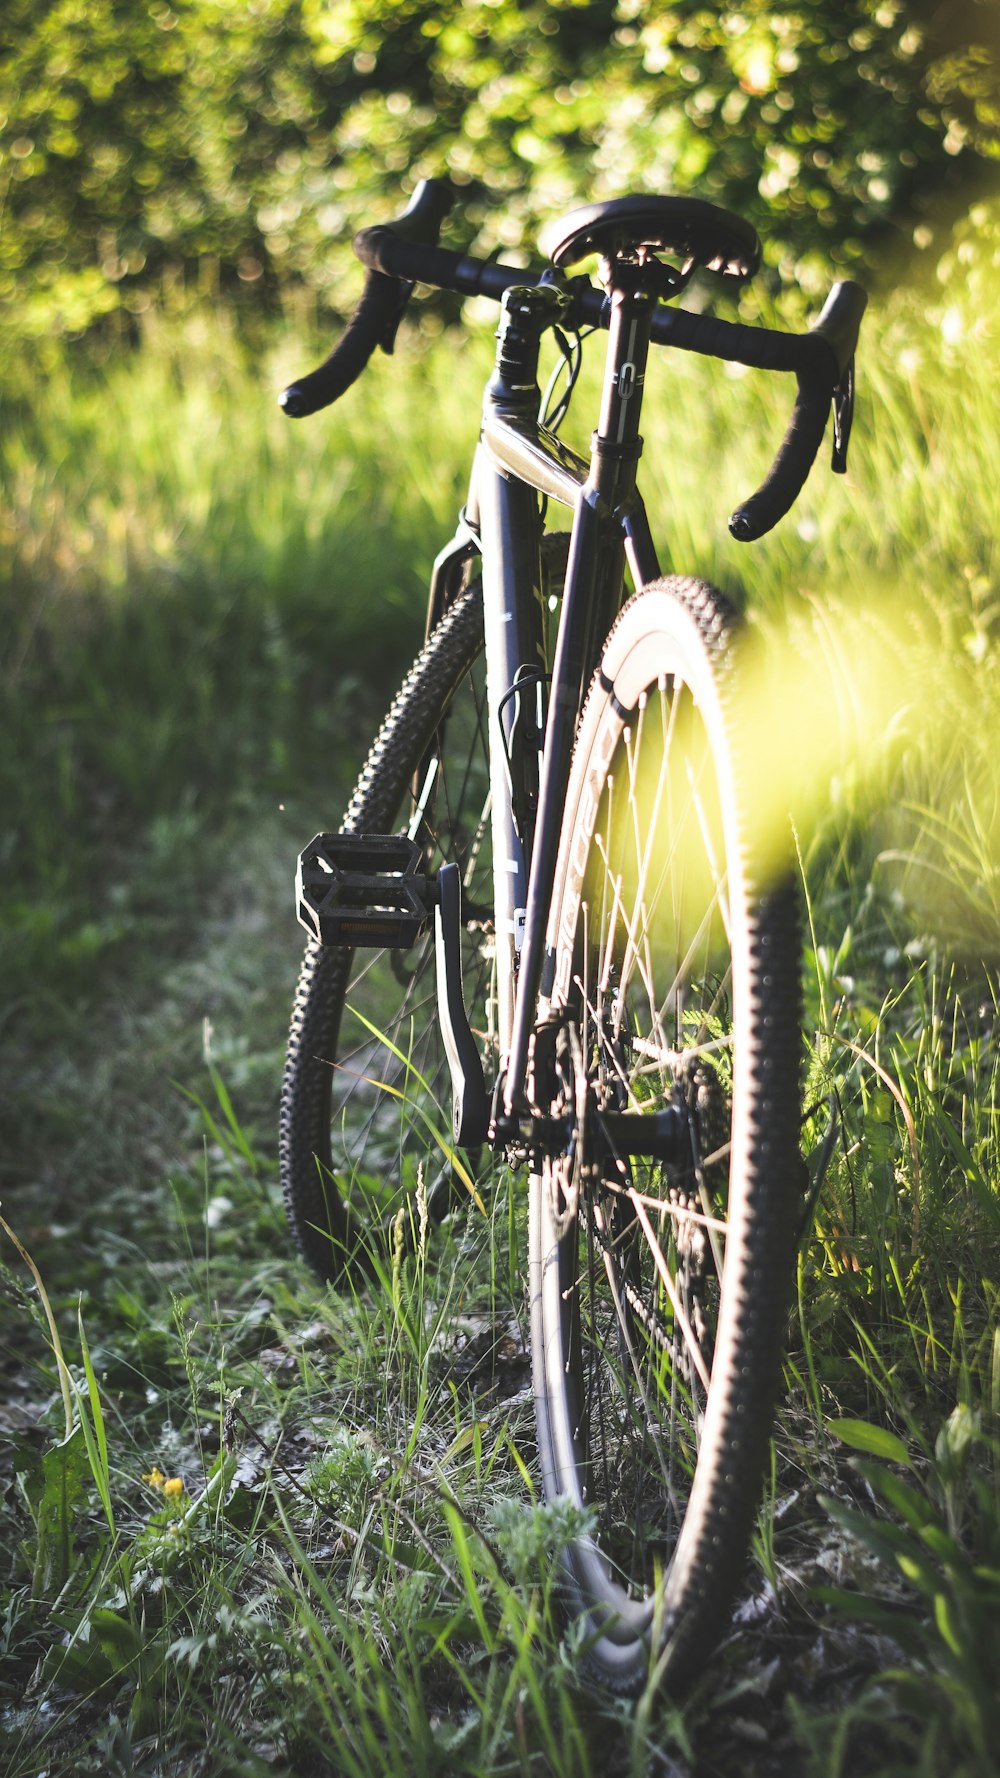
514,634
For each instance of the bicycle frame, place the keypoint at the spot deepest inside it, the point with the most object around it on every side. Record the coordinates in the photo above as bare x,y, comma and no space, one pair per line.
519,459
646,1008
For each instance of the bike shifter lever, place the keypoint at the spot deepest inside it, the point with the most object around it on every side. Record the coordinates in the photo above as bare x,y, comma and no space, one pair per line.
843,417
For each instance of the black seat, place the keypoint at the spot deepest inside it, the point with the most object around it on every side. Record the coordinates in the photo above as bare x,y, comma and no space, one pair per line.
687,227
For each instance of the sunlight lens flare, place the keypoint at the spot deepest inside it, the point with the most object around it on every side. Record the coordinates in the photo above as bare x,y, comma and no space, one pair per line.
867,709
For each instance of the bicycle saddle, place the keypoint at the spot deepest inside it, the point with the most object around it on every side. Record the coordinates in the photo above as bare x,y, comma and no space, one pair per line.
689,227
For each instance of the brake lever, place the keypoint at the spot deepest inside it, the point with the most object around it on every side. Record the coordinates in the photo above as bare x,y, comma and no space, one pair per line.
388,339
843,417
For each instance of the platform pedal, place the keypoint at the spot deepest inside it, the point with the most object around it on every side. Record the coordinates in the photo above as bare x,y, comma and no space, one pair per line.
364,889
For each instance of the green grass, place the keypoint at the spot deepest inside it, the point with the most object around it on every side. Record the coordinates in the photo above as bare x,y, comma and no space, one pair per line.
203,610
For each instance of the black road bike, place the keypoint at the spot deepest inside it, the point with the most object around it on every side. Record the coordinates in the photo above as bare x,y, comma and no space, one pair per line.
548,905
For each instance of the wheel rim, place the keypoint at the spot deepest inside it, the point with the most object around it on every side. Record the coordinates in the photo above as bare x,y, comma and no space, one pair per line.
648,973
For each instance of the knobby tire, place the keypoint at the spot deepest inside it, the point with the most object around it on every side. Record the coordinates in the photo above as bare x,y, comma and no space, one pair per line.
659,1288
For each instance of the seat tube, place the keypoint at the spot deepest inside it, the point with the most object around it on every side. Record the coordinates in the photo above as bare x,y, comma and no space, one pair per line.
617,445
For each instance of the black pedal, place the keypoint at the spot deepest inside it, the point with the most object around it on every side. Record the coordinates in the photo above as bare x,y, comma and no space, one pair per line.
364,889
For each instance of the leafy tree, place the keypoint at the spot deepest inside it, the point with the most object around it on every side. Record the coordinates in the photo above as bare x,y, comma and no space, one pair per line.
838,126
149,142
143,139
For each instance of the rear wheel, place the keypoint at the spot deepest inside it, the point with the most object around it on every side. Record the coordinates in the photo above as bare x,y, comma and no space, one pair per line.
366,1085
659,1278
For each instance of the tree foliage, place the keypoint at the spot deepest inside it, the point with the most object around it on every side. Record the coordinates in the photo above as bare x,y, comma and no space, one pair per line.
144,142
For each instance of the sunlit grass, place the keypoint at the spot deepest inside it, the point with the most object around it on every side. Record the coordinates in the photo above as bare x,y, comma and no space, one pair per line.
180,561
195,591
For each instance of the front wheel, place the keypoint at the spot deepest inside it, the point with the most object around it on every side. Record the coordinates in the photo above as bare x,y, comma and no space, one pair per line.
660,1260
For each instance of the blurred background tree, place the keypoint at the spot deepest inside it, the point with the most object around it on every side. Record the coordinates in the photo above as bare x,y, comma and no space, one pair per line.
239,145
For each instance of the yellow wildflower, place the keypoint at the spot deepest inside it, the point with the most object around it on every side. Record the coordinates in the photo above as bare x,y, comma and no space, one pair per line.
155,1478
174,1487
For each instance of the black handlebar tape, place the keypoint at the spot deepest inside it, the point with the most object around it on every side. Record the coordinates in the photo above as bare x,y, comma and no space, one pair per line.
382,249
372,324
814,360
756,347
786,477
376,317
834,336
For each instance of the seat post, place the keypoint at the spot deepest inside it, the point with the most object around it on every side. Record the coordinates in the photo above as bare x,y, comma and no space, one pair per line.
616,446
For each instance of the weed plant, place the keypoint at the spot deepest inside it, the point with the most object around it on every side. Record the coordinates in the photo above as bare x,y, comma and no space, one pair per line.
255,1527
